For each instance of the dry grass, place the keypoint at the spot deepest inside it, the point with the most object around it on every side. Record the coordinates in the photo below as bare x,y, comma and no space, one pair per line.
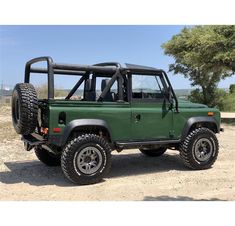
5,109
23,177
7,131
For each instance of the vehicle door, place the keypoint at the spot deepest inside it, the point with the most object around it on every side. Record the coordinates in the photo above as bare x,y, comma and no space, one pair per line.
151,114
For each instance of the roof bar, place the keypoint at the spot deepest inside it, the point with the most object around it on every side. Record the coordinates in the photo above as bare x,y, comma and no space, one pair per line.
85,68
116,64
57,71
50,72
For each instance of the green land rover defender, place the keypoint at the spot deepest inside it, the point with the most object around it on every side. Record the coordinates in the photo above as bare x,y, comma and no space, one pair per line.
121,106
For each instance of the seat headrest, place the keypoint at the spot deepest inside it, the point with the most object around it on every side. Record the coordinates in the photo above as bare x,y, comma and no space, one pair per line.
88,85
104,83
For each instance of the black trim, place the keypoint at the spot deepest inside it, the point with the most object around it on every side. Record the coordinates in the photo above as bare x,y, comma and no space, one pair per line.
116,64
57,71
145,71
33,139
193,120
136,144
77,67
109,85
77,85
172,90
108,68
50,73
75,124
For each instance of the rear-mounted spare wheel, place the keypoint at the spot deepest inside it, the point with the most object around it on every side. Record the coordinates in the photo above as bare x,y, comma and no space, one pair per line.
24,108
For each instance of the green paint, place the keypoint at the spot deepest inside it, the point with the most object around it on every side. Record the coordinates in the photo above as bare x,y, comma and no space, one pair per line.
156,120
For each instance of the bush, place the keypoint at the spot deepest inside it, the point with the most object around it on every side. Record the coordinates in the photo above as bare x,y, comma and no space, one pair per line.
232,89
221,99
196,96
213,100
42,92
228,103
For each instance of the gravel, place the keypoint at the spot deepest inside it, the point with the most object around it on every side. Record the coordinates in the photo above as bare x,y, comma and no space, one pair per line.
132,177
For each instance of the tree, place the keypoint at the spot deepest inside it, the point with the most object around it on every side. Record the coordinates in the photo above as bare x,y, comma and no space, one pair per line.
232,89
205,55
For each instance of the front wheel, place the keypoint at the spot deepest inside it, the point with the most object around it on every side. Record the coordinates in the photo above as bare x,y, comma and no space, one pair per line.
86,159
200,149
153,152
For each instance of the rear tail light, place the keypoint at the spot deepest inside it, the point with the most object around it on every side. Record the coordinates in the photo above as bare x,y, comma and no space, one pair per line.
44,130
57,130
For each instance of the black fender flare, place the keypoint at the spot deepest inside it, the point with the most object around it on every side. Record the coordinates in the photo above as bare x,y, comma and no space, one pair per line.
75,124
194,120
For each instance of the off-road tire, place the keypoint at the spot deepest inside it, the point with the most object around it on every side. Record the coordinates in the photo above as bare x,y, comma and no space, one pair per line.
188,148
70,155
24,108
47,157
153,152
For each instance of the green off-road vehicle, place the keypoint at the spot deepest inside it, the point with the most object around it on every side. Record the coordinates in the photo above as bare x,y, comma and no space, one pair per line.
121,107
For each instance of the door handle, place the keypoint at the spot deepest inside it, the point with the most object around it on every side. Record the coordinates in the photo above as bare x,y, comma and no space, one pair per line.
137,117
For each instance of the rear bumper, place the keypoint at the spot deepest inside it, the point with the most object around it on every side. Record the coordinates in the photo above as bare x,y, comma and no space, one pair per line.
32,140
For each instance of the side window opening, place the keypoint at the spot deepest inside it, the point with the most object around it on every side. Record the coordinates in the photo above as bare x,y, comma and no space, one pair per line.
101,83
64,84
147,87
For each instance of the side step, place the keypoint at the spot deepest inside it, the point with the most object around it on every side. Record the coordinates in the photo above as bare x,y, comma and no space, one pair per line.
136,144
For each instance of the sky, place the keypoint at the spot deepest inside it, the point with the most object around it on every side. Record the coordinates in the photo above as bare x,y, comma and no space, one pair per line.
86,45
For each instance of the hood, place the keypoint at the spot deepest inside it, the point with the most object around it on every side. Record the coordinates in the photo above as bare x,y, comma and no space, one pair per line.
188,104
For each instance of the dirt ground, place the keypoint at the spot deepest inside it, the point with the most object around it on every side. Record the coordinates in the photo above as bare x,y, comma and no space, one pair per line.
132,177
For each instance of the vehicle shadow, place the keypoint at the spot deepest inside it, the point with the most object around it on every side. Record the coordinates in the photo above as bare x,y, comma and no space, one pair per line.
177,198
35,173
137,163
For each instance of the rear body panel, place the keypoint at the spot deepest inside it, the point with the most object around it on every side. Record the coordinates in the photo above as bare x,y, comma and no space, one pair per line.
116,115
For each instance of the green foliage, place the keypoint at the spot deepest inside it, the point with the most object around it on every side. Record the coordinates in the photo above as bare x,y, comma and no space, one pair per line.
227,102
223,100
196,96
232,88
205,55
42,92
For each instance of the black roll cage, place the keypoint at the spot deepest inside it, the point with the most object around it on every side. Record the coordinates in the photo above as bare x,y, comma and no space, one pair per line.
106,68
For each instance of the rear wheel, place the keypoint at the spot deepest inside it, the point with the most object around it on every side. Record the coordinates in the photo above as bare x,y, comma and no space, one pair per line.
47,157
200,149
86,159
153,152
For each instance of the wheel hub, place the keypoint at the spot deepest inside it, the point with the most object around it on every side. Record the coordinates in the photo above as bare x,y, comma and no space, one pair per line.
89,160
203,149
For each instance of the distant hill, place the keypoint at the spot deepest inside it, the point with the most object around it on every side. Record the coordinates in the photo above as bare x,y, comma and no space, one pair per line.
181,93
4,92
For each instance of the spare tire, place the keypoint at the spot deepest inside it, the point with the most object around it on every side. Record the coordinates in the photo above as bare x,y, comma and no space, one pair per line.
24,108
